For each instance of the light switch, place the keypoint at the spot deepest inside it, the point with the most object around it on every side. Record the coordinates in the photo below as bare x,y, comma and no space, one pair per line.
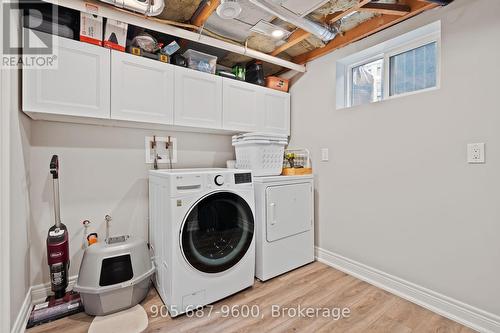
324,154
475,153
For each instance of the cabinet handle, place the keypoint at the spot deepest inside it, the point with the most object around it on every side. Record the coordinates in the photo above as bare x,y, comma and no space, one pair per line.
273,213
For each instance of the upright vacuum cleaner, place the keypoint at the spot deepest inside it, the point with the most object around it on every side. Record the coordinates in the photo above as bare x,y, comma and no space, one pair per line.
62,303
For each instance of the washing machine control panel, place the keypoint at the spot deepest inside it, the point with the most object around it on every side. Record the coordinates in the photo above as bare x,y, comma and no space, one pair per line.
219,180
242,178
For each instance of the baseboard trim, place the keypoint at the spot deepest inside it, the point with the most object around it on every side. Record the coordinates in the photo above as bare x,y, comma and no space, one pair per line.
40,292
23,315
453,309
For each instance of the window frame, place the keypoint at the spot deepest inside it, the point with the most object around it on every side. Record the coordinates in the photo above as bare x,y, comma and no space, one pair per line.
402,47
348,76
412,45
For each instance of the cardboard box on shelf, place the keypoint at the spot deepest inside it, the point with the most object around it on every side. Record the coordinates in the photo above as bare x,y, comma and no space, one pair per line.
91,28
115,34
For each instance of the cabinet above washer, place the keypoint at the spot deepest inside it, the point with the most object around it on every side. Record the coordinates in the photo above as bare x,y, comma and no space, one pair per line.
78,85
107,87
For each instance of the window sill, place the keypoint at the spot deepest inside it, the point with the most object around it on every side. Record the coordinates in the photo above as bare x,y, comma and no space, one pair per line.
391,98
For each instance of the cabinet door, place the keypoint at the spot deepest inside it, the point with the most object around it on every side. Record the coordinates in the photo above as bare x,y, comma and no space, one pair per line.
242,106
198,99
276,111
289,210
141,89
78,86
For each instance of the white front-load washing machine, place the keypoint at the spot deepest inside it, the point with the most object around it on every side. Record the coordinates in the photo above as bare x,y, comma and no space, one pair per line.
201,231
284,209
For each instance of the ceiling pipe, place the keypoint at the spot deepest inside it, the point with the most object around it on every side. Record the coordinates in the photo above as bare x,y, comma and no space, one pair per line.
323,32
148,7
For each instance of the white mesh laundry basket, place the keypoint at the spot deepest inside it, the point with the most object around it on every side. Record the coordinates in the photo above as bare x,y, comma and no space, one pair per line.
262,153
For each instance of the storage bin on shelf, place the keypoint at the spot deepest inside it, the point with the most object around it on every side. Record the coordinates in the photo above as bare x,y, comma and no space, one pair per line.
260,152
200,61
296,162
277,83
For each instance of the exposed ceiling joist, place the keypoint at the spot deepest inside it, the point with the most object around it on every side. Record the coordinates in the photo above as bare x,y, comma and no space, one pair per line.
299,35
202,14
365,29
296,37
386,8
334,17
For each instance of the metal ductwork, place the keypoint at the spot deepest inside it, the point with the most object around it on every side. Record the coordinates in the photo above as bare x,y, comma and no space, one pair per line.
323,32
441,2
146,7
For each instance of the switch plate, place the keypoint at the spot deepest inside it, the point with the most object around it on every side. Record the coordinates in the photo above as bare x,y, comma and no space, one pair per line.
475,153
324,154
161,150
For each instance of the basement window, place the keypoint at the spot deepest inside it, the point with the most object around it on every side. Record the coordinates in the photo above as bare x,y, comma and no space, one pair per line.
401,66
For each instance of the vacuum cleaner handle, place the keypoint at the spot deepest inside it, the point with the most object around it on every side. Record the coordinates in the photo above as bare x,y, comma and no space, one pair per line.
54,170
54,166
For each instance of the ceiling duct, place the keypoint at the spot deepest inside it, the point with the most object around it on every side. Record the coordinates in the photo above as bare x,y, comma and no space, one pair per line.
146,7
441,2
323,32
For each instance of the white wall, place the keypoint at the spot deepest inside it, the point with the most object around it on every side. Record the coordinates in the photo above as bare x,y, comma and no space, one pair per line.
20,213
397,194
102,172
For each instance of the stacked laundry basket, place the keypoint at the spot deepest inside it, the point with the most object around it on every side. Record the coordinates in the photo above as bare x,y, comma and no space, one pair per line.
260,152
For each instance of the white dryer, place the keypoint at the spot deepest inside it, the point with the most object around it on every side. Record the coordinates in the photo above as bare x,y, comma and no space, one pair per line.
201,230
284,210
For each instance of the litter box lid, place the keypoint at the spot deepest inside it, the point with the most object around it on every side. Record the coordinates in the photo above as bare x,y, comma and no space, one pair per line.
121,263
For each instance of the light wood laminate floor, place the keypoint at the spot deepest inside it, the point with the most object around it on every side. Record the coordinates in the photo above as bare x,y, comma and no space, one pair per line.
315,286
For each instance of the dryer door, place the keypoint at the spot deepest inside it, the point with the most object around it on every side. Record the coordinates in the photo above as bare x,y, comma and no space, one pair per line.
289,210
217,232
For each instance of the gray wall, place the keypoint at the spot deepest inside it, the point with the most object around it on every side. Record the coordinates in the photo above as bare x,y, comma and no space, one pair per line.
397,193
103,171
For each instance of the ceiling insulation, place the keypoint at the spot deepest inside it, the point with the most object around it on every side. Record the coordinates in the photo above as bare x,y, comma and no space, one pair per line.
354,20
333,6
179,10
303,46
262,43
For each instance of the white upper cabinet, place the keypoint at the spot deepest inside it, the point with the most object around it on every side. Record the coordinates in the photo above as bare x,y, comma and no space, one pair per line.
95,82
276,111
242,105
248,107
142,89
198,99
79,86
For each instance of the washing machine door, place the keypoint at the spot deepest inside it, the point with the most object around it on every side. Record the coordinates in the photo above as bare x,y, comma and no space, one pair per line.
217,232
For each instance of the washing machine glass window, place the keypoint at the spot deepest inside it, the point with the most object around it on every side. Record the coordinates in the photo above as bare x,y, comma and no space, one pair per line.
217,232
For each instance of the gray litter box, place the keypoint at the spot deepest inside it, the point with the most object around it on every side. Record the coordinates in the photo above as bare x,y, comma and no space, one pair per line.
115,275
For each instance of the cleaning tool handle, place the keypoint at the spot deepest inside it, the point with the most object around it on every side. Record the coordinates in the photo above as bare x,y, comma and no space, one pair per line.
54,166
54,170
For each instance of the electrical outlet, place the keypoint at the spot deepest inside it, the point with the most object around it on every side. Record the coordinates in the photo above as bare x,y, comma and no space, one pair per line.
159,145
475,153
324,154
